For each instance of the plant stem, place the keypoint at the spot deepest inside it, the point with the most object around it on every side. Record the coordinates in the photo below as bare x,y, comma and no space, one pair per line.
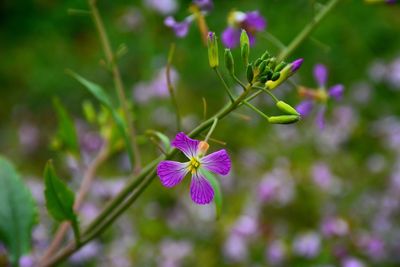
111,62
212,128
307,30
226,87
171,87
259,112
268,92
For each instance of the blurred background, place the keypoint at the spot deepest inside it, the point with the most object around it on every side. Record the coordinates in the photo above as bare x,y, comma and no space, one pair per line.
297,195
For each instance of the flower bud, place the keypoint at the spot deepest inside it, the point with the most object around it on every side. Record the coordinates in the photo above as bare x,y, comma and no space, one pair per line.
288,109
262,66
285,73
250,73
257,62
280,66
275,76
229,63
203,147
212,50
283,119
244,47
266,55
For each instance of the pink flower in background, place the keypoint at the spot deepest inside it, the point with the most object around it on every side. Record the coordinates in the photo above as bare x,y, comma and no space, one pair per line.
172,173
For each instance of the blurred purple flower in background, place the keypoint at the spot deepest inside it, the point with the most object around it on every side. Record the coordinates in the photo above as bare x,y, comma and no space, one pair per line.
307,244
173,252
320,95
352,262
276,252
334,226
172,173
156,88
276,187
252,22
164,7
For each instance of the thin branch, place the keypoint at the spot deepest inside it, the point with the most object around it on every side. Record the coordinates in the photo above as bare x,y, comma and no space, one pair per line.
171,86
111,62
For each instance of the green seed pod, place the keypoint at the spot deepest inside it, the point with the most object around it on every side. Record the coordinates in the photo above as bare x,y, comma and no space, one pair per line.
275,76
229,63
283,119
288,109
244,47
280,66
212,50
265,71
250,73
269,74
257,62
266,55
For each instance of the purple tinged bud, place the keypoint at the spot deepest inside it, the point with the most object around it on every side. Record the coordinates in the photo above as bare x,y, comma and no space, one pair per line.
320,74
296,64
305,108
205,5
336,91
391,2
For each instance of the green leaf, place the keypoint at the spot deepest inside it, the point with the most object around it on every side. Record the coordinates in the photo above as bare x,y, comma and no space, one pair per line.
162,138
217,191
66,128
18,212
101,95
59,199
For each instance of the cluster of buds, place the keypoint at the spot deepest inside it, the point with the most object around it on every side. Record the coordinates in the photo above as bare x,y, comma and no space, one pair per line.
267,72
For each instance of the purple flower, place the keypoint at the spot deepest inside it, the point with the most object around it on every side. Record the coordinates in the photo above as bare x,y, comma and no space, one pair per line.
307,245
181,29
172,173
252,22
321,95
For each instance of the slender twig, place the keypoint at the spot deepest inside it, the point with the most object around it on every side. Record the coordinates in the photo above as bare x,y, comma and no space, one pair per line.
87,181
259,112
204,107
268,92
269,37
171,86
226,87
111,62
307,30
212,128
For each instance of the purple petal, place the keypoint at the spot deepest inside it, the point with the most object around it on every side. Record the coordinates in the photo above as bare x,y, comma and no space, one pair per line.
230,37
218,162
181,29
320,74
254,22
320,118
201,190
295,65
252,39
205,5
305,107
185,144
336,91
171,173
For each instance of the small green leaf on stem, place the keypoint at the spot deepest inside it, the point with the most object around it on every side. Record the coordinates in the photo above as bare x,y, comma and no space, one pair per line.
66,129
166,143
59,199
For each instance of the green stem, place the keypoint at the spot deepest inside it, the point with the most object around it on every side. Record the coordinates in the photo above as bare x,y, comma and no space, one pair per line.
212,128
269,37
226,87
268,92
307,30
171,87
259,112
238,81
110,58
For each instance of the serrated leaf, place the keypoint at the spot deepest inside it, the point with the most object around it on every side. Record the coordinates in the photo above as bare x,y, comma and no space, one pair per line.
59,199
98,92
18,212
217,191
66,128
